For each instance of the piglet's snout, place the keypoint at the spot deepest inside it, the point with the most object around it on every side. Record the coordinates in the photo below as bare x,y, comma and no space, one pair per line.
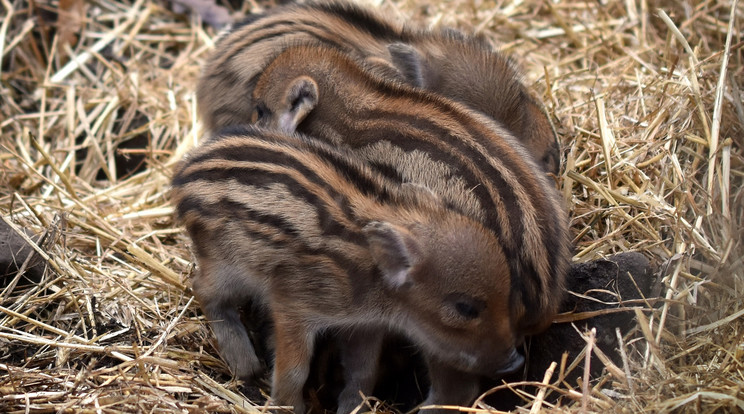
513,362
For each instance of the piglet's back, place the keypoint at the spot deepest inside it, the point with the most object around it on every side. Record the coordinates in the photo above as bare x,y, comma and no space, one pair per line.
264,201
461,67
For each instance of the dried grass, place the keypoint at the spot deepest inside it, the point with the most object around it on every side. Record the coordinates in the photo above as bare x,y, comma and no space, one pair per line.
647,96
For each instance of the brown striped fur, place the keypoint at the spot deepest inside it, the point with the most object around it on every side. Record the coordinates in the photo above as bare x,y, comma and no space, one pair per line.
475,166
326,242
458,66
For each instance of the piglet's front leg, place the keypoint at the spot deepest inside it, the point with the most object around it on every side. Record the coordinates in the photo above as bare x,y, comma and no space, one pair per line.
360,355
294,349
220,305
449,386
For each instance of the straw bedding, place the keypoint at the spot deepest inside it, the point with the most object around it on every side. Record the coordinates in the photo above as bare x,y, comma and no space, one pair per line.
97,103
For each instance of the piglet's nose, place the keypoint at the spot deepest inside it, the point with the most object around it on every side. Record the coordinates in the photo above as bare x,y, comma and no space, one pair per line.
513,363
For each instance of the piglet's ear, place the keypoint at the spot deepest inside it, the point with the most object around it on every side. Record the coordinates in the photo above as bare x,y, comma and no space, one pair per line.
301,97
394,251
408,61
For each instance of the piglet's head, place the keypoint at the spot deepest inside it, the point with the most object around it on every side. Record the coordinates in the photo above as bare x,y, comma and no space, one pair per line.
450,284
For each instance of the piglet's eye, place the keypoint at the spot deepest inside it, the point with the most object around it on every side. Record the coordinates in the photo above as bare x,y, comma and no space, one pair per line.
466,306
467,310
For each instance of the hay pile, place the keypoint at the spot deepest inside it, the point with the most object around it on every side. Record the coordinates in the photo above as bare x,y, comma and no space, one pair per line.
647,97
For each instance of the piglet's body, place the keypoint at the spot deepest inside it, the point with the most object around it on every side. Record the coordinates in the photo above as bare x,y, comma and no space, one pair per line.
324,242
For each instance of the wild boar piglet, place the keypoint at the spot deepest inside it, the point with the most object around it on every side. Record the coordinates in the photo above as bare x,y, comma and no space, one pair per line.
323,242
